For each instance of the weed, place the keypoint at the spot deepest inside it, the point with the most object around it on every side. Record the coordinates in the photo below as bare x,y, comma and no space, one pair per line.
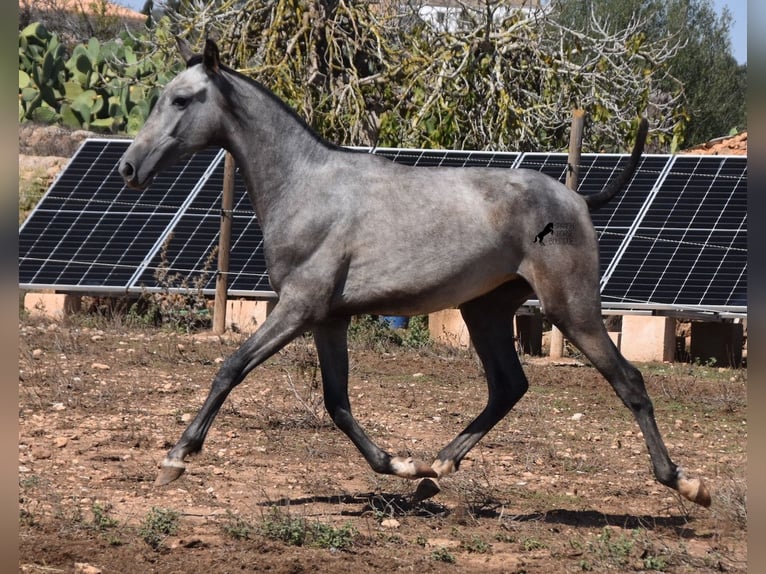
417,335
622,551
366,332
529,544
158,524
237,527
180,304
443,554
101,518
731,502
300,532
476,545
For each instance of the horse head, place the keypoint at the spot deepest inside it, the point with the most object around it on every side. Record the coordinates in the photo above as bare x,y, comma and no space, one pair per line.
185,119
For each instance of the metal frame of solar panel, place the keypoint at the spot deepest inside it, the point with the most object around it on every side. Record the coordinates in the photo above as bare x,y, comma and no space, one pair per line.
659,249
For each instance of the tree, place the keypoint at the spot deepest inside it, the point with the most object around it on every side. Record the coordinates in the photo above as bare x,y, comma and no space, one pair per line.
714,85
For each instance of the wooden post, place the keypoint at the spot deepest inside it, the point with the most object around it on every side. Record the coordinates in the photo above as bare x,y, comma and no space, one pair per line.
573,174
224,245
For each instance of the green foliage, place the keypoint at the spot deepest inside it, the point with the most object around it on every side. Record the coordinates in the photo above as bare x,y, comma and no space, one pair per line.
300,532
101,518
443,554
707,82
107,86
378,74
237,527
180,304
158,524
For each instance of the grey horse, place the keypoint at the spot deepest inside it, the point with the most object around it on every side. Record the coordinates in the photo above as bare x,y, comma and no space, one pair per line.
464,239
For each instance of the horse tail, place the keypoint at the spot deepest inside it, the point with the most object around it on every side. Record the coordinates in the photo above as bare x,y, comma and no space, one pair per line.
596,200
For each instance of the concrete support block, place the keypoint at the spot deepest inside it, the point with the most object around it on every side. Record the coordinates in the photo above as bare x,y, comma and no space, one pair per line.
246,315
447,327
720,341
648,338
51,305
529,332
616,337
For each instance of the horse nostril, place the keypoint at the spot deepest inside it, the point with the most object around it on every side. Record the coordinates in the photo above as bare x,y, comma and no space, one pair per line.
127,170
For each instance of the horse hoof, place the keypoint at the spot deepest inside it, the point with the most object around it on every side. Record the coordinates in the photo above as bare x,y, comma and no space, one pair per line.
695,490
168,473
427,488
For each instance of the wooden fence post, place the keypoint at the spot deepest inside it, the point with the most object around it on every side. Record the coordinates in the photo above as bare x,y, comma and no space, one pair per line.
224,246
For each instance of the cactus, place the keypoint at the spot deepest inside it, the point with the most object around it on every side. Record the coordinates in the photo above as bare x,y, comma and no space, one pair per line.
106,86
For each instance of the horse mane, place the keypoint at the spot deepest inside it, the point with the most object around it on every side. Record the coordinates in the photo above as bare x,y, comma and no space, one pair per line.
227,88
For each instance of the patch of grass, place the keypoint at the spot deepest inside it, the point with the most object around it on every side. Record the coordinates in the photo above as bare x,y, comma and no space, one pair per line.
158,524
529,544
31,190
101,518
296,531
623,551
443,554
237,527
476,545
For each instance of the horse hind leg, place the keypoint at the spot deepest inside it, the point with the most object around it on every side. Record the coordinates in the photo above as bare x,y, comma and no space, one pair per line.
587,332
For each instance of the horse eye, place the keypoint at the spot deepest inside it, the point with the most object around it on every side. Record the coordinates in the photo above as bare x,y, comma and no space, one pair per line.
180,102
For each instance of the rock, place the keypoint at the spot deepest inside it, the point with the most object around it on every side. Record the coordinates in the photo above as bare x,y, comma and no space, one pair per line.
100,366
577,416
85,568
37,353
390,523
61,441
40,453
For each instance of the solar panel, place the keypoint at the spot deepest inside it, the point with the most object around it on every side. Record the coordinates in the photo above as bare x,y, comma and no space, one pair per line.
676,236
689,249
447,158
91,232
187,258
614,219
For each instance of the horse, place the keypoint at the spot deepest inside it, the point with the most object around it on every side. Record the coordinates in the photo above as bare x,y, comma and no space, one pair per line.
463,239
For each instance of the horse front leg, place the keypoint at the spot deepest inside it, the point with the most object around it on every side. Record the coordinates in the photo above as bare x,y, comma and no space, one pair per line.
331,342
283,324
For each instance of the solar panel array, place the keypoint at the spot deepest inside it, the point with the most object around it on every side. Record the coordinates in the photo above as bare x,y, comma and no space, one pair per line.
675,238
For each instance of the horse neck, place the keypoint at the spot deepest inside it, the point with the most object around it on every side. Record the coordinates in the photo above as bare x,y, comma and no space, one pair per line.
272,147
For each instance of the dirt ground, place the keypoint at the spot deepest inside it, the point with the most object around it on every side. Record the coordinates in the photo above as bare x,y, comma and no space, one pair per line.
562,484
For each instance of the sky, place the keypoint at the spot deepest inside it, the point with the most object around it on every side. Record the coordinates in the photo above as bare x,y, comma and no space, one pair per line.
737,8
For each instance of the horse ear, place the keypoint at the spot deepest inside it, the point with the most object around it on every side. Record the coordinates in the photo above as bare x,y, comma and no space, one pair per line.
184,49
211,58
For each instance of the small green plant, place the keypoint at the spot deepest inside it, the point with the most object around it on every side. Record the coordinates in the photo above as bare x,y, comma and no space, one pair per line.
532,544
158,524
101,518
300,532
180,304
476,545
443,554
237,527
416,335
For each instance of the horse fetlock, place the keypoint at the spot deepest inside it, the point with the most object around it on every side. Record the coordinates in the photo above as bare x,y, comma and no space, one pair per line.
170,470
410,468
693,489
444,467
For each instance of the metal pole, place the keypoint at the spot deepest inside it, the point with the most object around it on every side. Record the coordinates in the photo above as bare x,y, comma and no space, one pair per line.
224,245
573,173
